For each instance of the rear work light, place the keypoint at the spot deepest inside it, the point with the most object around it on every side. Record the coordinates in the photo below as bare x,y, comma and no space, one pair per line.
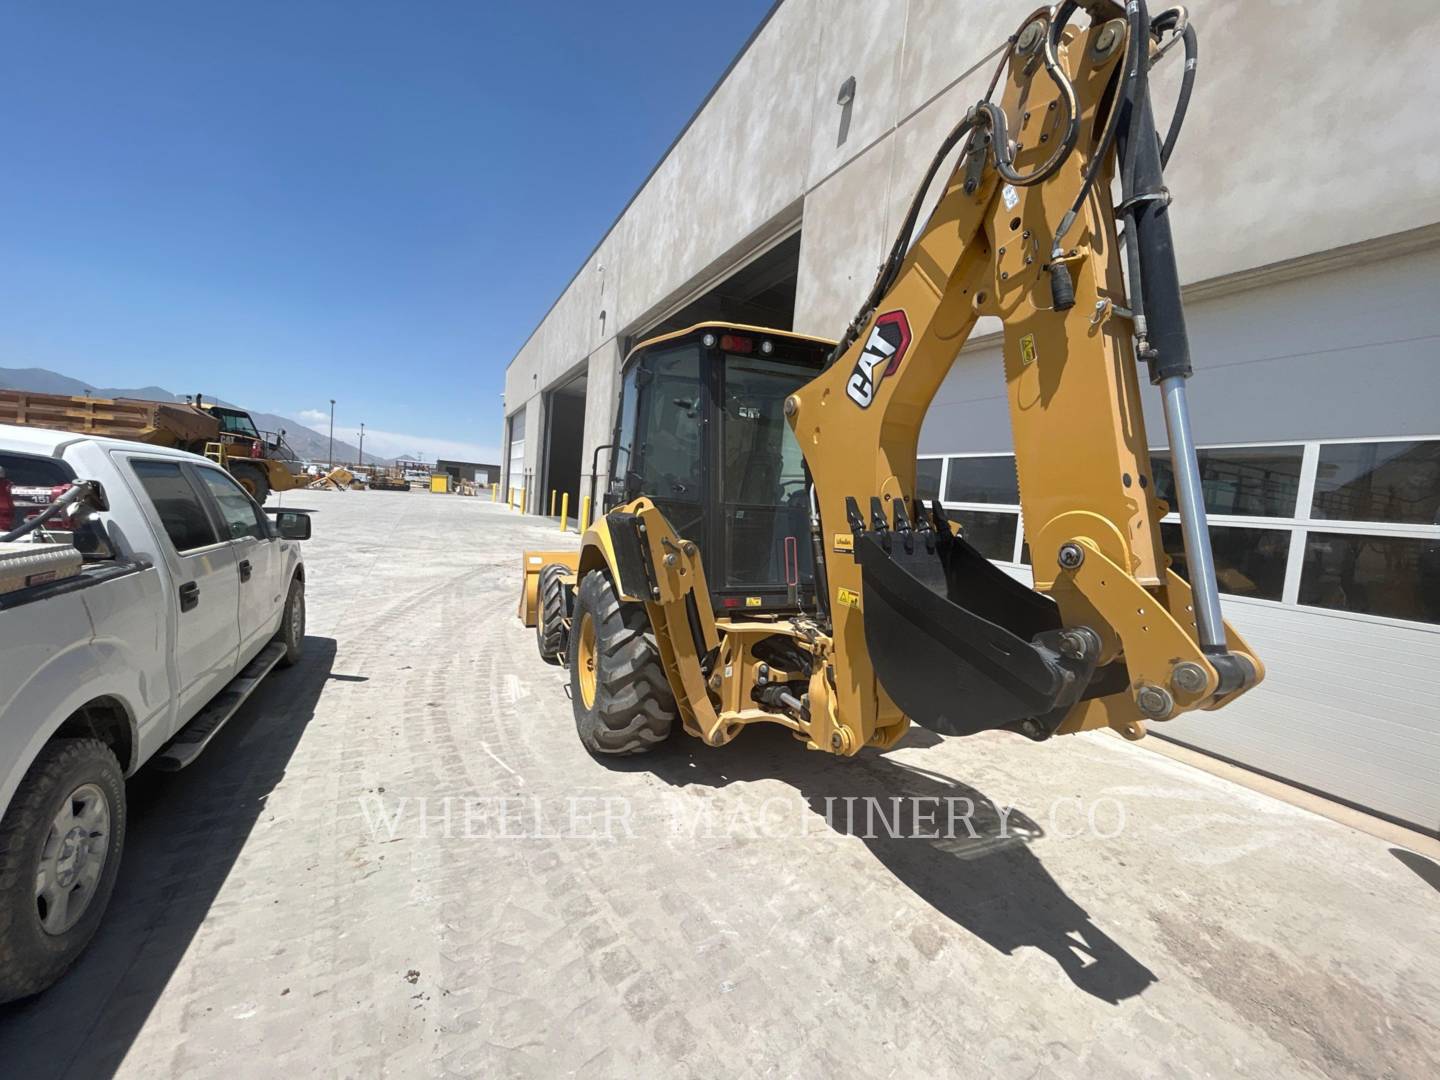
736,344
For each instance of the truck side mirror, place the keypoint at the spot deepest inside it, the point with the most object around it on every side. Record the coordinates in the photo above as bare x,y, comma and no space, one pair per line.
292,525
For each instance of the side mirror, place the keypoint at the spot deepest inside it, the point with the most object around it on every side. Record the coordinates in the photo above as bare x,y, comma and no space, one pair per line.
292,525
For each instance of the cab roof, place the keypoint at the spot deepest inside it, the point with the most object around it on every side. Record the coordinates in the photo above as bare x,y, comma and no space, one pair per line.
726,327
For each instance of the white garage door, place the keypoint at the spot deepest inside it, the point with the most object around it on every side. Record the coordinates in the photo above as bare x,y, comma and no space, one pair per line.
1314,401
515,472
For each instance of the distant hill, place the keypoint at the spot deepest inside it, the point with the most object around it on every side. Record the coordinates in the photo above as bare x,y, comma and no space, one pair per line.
309,444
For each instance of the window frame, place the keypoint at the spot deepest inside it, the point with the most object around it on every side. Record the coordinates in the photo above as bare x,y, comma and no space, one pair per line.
1299,526
197,489
262,523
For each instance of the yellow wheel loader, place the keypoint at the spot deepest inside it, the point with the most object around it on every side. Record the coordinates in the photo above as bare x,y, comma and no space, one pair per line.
763,557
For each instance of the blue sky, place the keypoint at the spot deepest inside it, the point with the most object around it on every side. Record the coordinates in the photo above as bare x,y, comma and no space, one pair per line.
281,203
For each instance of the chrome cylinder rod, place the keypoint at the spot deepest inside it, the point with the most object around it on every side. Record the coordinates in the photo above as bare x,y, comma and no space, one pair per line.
1199,559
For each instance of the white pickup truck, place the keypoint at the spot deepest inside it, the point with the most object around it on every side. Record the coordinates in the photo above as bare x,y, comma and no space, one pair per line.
187,596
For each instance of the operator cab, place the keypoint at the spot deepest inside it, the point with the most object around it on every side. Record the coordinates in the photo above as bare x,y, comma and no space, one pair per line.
702,433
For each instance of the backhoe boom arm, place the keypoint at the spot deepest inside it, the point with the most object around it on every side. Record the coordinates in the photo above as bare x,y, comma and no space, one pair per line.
921,625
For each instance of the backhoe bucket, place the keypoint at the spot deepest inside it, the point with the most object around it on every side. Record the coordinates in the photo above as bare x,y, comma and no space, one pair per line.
959,645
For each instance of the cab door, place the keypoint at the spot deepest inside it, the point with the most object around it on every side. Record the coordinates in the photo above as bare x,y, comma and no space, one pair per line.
203,614
670,465
257,559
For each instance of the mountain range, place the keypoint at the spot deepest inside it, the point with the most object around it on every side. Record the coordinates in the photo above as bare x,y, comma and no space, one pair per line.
308,444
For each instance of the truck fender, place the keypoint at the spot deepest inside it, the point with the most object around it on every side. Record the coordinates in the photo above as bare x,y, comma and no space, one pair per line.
88,671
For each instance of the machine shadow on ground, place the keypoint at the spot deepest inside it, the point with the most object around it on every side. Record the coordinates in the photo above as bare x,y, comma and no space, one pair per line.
1427,870
991,884
184,834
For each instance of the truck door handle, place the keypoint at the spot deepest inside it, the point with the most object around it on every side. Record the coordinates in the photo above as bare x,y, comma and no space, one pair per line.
189,595
244,569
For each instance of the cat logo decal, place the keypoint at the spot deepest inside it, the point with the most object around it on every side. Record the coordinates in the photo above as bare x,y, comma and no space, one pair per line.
888,343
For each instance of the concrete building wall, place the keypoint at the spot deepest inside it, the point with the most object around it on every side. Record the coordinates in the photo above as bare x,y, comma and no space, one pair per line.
1305,134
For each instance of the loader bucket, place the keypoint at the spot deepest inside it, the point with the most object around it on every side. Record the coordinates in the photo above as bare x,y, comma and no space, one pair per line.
953,639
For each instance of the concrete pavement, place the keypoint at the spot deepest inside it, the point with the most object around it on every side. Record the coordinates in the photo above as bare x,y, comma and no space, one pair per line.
399,861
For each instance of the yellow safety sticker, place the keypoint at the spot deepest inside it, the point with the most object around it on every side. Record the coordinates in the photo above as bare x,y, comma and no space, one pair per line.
1027,350
848,597
752,601
844,541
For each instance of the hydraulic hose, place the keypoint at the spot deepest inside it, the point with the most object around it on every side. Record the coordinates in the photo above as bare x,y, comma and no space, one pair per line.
1177,20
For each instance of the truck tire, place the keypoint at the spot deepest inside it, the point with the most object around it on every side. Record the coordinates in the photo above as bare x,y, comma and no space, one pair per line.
550,629
622,699
60,845
292,624
253,478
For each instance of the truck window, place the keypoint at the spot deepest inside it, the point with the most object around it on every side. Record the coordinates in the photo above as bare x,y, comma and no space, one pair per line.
178,504
241,516
29,470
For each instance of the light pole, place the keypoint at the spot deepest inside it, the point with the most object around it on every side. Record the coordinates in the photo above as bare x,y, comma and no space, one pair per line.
332,433
362,445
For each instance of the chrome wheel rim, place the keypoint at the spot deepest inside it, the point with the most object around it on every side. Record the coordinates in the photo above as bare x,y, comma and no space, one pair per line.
72,859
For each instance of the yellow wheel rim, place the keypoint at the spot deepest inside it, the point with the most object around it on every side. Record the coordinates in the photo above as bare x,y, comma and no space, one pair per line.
586,660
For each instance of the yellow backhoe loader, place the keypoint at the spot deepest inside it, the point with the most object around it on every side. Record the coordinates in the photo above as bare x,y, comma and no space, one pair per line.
763,557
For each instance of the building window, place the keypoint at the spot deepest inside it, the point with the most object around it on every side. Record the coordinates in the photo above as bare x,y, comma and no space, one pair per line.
983,480
1246,481
927,479
1248,562
990,532
1397,577
1378,481
1346,526
982,496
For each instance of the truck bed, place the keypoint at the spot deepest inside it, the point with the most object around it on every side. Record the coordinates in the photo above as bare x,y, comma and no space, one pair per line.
92,574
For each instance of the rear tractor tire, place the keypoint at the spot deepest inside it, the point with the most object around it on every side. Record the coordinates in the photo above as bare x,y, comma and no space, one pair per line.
622,699
254,479
551,631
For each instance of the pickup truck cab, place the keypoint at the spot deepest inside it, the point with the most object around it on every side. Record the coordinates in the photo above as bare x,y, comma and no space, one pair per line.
189,594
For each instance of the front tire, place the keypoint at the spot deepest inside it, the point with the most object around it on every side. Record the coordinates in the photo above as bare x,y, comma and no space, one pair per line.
550,631
60,846
621,697
254,479
292,625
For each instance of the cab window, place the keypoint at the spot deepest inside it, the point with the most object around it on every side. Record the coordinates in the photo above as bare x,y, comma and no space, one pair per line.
238,512
182,514
669,439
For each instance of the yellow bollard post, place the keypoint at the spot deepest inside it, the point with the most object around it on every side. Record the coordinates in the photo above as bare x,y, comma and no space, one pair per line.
512,498
522,505
552,502
564,510
584,514
494,493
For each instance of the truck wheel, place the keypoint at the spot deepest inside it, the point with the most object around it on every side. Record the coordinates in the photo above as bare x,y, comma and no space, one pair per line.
60,845
550,619
253,479
622,699
292,625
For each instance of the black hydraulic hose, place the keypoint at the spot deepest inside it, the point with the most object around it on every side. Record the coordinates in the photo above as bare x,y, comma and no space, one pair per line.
1134,56
1004,160
898,250
1187,84
990,114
